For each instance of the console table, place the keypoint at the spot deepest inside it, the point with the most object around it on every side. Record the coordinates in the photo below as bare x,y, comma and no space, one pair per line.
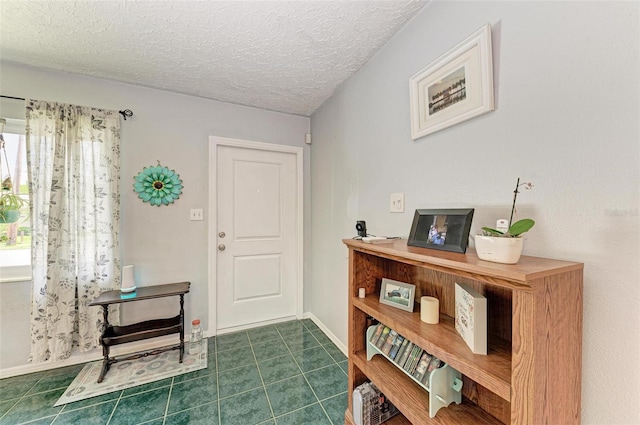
114,335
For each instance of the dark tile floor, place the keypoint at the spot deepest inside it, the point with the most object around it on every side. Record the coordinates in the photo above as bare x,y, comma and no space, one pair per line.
289,373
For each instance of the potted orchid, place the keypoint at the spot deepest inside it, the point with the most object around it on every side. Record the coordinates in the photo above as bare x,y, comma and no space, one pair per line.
505,245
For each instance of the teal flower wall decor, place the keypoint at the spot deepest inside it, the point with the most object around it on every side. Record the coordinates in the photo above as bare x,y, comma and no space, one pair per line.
158,185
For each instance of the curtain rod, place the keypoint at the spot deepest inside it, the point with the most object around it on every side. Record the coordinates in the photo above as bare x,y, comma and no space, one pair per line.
125,113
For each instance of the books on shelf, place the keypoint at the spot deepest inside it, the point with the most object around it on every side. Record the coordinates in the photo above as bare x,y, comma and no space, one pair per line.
383,337
400,352
421,368
397,343
410,366
405,354
377,333
471,317
386,347
415,361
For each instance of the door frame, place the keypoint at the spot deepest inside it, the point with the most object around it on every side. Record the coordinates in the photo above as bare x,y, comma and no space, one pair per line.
214,142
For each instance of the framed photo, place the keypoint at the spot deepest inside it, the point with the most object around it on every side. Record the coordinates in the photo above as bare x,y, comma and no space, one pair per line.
446,230
455,87
397,294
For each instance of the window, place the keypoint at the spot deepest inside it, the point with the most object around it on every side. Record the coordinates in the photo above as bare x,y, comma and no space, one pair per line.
15,238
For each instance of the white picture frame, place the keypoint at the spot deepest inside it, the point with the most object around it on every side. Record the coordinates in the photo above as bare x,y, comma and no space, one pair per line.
455,87
471,317
405,297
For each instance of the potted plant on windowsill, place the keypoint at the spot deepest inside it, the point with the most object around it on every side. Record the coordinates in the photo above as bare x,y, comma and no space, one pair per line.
504,246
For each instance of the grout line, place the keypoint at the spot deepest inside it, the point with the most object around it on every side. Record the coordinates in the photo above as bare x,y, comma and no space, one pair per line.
115,407
166,407
264,387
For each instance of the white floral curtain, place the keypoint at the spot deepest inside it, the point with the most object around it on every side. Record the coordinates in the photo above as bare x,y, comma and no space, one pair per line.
73,156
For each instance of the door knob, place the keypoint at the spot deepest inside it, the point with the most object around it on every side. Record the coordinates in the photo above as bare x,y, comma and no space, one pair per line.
221,247
222,234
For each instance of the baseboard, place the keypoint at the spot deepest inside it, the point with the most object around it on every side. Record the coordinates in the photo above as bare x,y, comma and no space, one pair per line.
326,330
251,326
96,354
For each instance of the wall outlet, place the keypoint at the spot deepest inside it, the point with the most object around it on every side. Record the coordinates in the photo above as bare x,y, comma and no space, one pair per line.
397,203
196,214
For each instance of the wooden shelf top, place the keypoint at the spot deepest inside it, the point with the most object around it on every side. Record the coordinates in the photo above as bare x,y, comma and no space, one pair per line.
527,270
142,293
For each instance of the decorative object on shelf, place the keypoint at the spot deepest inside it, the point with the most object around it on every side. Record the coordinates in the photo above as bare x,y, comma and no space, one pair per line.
370,406
158,185
128,280
504,245
444,229
397,294
471,318
443,382
10,202
361,293
499,250
430,310
455,87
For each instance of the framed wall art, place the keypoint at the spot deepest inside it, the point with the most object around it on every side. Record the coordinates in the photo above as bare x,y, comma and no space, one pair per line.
455,87
445,229
397,294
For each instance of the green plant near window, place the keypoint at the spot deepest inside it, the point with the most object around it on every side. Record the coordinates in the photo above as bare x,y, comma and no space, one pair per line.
10,205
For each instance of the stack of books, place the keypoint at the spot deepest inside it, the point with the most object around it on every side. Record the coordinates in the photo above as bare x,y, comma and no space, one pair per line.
407,355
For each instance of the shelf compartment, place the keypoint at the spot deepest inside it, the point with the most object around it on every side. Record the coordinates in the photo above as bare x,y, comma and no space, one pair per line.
441,380
493,371
412,400
115,335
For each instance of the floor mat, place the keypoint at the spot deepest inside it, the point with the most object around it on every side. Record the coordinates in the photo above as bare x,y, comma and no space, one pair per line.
131,373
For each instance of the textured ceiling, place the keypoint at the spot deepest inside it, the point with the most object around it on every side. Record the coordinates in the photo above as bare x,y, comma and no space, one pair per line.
287,56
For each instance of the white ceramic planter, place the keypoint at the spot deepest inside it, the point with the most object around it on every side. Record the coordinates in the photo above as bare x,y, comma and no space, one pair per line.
499,250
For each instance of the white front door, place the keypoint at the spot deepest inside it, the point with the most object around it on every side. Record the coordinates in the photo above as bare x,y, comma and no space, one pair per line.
257,240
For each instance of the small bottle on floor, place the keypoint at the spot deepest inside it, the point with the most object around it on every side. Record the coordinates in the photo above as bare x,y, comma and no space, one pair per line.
195,344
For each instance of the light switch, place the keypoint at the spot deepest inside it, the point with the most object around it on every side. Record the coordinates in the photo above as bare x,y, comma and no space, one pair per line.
397,203
196,215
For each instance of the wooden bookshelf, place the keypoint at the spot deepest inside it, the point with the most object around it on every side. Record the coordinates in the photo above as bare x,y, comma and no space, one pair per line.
532,371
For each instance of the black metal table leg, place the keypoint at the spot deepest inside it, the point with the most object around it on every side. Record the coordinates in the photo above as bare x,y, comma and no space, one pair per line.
181,327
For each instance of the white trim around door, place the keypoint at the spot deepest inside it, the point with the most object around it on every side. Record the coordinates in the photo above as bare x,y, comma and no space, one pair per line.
214,142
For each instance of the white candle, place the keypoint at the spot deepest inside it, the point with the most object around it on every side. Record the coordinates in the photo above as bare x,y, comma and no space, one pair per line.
128,279
430,310
361,293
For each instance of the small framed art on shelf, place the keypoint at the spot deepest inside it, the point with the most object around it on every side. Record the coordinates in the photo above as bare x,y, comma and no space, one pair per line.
397,294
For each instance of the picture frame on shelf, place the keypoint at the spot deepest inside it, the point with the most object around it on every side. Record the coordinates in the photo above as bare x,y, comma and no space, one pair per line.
471,317
442,229
397,294
455,87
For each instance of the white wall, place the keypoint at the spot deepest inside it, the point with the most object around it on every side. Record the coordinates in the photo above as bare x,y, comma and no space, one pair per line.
567,118
161,242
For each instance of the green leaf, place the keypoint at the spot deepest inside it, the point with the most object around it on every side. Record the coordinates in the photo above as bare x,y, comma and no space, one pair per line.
493,232
521,226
